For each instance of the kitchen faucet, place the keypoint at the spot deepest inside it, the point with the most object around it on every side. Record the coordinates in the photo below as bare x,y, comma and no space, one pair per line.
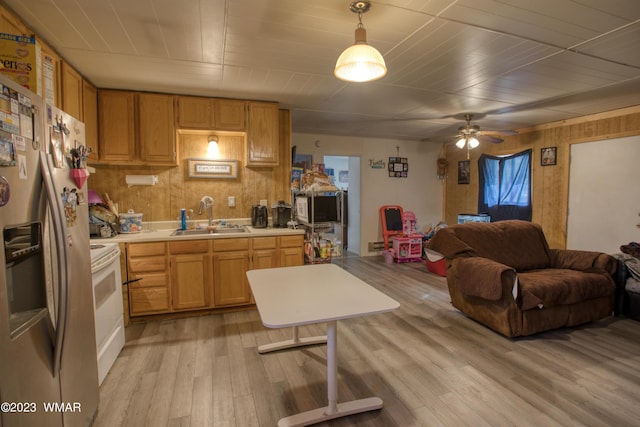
207,203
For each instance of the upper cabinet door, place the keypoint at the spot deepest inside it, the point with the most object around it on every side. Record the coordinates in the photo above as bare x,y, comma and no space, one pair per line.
229,114
116,126
194,112
90,114
262,134
211,113
157,129
72,92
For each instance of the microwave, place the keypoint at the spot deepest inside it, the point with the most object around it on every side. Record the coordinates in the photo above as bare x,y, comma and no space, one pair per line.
325,209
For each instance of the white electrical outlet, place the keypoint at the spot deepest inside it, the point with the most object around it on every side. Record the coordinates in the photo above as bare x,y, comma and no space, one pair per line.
232,201
263,202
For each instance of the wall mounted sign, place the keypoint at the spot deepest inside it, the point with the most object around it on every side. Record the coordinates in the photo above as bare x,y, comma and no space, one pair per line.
376,164
205,168
398,167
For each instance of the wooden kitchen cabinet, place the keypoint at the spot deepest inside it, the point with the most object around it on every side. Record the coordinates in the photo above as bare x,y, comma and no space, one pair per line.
156,127
230,264
90,114
211,113
262,134
71,91
230,114
194,112
264,252
291,250
116,126
149,291
136,128
190,274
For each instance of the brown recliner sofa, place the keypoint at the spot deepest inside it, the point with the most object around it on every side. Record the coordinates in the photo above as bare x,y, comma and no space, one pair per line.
505,276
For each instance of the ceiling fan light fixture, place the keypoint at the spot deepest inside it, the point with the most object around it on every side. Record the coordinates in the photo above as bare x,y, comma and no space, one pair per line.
473,142
461,142
360,62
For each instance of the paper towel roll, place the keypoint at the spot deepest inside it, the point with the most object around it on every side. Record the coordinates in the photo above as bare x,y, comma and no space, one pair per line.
141,180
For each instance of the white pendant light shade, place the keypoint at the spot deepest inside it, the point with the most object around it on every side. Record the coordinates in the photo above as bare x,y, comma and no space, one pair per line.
470,141
360,62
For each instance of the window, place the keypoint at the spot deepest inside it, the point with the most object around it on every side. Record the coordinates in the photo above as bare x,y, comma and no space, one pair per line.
505,186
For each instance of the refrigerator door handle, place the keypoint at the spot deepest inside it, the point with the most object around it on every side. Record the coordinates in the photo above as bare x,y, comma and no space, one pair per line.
60,232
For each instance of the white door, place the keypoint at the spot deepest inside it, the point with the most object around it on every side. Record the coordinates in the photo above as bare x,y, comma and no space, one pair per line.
604,195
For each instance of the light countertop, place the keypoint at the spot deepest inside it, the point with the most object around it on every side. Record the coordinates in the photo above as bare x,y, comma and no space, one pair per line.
161,231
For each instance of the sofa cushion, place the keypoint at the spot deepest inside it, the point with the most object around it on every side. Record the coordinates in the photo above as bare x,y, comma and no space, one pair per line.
518,244
555,286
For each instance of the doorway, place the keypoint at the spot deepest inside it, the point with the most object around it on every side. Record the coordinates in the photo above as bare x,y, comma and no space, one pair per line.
344,172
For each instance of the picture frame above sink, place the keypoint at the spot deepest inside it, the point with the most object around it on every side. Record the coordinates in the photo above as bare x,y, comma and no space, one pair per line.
207,168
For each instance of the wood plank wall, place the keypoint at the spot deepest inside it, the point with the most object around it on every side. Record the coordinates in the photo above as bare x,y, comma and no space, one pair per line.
550,184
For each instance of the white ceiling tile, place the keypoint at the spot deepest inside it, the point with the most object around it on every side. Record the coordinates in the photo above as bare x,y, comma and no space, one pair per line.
513,63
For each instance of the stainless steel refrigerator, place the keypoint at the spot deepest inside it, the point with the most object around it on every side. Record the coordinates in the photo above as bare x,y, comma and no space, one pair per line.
48,364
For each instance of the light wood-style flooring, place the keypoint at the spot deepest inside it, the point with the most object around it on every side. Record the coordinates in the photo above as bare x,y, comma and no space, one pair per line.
430,364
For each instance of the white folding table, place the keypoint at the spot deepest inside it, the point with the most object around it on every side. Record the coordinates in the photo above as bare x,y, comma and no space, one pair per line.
319,293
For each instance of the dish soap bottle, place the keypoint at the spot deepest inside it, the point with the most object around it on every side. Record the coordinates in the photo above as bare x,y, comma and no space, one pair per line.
183,219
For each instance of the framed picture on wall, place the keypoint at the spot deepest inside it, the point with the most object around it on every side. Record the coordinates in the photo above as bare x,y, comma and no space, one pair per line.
398,167
548,156
304,161
464,171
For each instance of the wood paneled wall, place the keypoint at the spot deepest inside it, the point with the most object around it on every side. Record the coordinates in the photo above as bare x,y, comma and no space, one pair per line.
175,190
550,184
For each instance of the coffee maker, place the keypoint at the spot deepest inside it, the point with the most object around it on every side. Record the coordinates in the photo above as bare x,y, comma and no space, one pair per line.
259,216
281,214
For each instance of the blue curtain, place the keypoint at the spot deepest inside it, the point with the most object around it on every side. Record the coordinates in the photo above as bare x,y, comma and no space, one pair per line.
505,186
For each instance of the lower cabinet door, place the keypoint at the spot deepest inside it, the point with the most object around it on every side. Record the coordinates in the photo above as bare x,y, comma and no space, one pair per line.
189,281
230,284
266,258
290,257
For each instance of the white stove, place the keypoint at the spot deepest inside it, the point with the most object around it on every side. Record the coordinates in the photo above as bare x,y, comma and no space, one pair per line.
107,303
99,250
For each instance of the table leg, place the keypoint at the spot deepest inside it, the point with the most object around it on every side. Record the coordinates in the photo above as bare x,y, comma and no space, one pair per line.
333,409
295,341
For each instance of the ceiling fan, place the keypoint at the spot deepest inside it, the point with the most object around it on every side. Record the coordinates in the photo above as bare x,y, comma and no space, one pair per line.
471,135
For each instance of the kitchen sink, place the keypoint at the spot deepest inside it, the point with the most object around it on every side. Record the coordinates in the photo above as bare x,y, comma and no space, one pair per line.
237,229
202,231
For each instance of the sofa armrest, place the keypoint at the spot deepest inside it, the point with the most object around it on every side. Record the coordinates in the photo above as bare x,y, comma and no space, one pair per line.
484,278
583,260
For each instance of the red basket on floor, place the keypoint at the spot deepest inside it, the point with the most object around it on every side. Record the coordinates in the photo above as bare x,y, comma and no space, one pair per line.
436,263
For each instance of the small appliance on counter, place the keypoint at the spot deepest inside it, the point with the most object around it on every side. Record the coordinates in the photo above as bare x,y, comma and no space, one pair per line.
259,216
281,214
130,222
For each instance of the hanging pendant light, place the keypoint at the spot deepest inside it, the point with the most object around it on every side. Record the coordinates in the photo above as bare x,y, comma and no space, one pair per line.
360,62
